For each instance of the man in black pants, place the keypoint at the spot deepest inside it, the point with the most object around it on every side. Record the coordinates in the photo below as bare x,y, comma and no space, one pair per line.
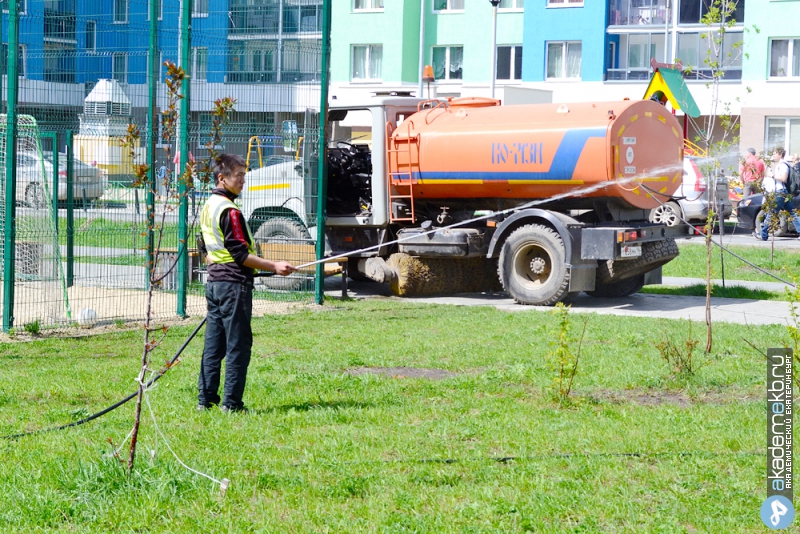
232,261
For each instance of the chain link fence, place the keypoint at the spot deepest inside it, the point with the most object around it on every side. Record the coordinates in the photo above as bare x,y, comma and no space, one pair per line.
83,76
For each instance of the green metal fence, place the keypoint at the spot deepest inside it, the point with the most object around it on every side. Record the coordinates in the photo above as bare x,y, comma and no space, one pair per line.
77,234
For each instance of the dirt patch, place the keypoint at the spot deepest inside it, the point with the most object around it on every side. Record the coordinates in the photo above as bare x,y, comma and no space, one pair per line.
402,372
675,398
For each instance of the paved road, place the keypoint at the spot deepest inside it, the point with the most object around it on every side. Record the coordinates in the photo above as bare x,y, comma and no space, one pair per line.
743,311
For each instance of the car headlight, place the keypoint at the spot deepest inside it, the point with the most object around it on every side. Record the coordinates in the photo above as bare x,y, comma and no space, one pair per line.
746,202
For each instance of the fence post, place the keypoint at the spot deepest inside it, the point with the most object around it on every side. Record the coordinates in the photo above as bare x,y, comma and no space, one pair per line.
319,279
152,127
9,224
183,140
70,213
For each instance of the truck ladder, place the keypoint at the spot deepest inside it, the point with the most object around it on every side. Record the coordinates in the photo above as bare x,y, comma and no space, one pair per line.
402,178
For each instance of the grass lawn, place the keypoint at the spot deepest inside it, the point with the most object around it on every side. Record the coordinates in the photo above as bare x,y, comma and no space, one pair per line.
475,445
692,263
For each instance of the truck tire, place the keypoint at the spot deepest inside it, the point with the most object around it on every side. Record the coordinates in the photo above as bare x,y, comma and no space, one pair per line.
282,230
532,266
621,288
668,214
654,254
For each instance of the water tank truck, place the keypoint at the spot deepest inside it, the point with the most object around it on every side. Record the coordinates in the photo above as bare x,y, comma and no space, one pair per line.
545,200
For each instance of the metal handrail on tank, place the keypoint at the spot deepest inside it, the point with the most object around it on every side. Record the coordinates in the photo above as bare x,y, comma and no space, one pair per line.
691,149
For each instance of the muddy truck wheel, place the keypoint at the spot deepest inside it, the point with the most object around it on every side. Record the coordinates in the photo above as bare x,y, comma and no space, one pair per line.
620,288
533,267
284,231
654,254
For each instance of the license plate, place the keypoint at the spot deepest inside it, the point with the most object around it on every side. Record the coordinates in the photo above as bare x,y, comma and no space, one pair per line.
631,251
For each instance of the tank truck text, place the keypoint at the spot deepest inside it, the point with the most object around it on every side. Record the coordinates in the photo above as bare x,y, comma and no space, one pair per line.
519,153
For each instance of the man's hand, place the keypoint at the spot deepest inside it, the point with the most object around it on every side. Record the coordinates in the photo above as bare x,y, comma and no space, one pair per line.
283,268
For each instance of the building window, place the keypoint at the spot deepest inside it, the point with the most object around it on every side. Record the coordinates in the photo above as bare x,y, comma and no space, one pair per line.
253,61
783,132
200,8
367,5
564,60
448,62
91,36
635,52
302,18
253,19
693,51
692,11
509,63
513,4
159,9
300,61
564,3
59,62
23,6
120,11
448,5
638,12
21,57
367,62
784,58
198,69
119,67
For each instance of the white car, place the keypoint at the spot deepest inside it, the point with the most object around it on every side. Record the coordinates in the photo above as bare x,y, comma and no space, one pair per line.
88,182
690,201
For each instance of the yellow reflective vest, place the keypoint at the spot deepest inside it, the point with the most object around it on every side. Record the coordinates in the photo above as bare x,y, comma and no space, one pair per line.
210,226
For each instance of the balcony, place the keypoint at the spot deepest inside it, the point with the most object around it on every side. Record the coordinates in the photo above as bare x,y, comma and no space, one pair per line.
637,12
642,74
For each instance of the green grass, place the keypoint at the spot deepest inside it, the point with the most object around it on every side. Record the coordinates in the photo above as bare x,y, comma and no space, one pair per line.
728,292
326,451
692,263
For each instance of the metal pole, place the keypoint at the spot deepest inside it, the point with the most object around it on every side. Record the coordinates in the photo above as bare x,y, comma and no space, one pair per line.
183,139
421,46
70,214
152,128
319,279
9,224
494,43
666,32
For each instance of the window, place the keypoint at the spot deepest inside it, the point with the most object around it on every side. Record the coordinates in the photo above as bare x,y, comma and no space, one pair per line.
23,6
20,60
253,61
119,67
91,36
448,5
59,62
692,11
784,58
120,11
513,4
693,51
367,5
629,59
199,8
783,132
448,62
367,62
564,3
302,18
300,61
638,12
509,63
564,60
198,69
159,9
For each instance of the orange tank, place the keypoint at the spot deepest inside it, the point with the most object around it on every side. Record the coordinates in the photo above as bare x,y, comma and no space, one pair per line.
474,148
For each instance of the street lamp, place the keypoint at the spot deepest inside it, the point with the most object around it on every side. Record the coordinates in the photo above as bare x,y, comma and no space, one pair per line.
494,3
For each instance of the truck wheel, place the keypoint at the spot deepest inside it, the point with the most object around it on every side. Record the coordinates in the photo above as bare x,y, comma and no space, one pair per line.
533,267
654,254
668,214
353,273
289,232
621,288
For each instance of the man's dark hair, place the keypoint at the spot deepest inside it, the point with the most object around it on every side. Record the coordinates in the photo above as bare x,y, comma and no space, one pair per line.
225,164
752,151
781,151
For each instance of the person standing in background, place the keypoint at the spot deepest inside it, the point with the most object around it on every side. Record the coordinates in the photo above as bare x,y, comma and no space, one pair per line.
752,172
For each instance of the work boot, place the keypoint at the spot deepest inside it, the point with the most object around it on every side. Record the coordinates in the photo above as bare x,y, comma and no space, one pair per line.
230,409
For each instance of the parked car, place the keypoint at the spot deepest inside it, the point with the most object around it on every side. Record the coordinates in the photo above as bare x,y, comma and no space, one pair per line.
751,216
88,181
691,198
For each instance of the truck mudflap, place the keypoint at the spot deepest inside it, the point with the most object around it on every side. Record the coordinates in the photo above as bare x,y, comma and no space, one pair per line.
654,254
